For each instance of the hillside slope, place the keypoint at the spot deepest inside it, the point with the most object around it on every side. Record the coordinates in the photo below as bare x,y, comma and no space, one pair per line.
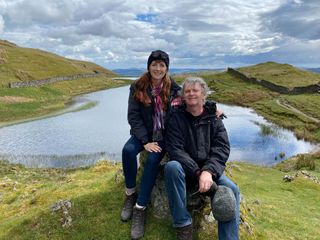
19,64
24,64
282,74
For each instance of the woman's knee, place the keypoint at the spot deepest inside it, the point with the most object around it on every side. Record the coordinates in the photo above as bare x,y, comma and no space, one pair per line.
129,149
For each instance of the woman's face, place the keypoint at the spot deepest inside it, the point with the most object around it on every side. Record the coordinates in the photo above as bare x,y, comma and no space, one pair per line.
157,69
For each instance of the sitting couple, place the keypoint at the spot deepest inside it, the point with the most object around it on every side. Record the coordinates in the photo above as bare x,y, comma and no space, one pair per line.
194,137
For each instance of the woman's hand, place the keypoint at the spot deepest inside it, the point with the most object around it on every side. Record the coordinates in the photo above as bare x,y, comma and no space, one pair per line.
152,147
220,114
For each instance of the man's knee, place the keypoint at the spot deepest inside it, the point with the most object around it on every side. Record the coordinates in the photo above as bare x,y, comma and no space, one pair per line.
173,169
224,180
234,188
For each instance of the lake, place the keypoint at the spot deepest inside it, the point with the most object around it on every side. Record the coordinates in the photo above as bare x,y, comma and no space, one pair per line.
81,138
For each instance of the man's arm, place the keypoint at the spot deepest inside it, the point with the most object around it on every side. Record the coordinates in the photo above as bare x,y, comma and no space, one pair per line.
175,146
219,151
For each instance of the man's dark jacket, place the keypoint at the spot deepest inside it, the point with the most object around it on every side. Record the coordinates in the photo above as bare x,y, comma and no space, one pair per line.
140,116
198,143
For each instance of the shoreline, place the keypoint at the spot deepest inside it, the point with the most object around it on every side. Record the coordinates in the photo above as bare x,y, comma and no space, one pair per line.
69,108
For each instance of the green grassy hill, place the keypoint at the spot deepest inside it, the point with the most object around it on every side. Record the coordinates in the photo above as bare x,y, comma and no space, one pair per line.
23,64
282,74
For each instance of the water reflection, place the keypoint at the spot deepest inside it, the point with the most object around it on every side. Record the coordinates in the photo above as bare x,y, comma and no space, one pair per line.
78,139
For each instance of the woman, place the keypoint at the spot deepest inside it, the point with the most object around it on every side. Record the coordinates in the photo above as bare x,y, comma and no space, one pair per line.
151,97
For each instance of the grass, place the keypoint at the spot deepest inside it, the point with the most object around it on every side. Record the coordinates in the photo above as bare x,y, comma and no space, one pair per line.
310,103
50,98
96,202
301,162
281,74
23,64
278,210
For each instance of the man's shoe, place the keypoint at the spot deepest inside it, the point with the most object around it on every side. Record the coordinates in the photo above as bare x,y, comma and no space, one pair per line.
184,233
138,221
127,209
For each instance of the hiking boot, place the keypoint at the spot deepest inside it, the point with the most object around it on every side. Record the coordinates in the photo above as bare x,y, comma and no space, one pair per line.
184,233
127,209
138,221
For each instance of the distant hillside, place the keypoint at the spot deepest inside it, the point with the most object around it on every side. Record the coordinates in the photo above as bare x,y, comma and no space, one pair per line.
135,72
24,64
282,74
316,70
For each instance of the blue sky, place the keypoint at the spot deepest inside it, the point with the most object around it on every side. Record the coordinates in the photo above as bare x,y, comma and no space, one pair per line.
196,34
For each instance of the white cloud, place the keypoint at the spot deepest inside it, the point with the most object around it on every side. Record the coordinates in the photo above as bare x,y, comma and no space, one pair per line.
1,24
121,33
23,13
295,19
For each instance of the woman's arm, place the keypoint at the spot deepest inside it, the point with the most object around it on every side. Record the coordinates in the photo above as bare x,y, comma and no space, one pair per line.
138,129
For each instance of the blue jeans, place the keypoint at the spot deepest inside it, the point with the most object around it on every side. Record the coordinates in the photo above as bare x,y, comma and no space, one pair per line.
177,195
130,168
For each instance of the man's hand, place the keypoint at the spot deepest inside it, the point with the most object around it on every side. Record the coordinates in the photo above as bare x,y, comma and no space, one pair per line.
205,181
152,147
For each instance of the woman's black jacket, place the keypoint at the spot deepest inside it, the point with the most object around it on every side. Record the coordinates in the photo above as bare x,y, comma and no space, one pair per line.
140,116
197,143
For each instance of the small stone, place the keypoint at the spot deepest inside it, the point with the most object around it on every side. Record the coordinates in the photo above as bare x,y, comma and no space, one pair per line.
288,178
257,202
209,218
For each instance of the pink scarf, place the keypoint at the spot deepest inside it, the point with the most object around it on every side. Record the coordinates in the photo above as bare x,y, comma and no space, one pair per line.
158,114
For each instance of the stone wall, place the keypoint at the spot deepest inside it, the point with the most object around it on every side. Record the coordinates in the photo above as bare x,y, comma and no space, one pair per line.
35,83
274,87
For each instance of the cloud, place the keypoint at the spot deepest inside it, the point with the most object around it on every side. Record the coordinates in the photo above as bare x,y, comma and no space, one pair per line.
297,19
39,12
121,33
1,24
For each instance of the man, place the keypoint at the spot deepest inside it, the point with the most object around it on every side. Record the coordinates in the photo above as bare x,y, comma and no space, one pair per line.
198,147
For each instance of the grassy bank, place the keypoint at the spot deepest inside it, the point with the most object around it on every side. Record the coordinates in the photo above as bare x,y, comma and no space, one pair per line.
33,102
278,209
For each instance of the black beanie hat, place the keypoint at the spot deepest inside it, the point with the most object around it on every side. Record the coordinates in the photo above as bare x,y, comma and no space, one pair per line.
158,55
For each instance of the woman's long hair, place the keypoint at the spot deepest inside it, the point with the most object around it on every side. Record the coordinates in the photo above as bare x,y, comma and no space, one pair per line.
142,85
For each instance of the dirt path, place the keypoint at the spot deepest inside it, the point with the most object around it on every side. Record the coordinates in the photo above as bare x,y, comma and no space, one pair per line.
293,109
15,99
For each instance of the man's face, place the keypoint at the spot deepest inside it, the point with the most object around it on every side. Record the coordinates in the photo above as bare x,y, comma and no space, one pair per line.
193,95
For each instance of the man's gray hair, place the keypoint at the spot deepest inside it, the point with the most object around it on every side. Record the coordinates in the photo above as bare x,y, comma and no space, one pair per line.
192,81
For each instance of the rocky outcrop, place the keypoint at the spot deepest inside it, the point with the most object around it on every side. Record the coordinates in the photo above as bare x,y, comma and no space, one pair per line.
63,206
3,55
304,174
